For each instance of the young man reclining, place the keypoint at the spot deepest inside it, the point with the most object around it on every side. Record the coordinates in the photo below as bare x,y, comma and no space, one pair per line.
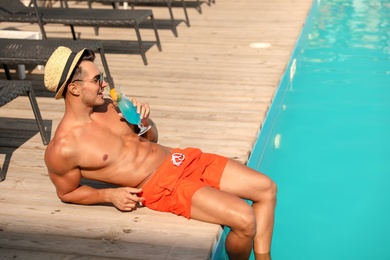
93,142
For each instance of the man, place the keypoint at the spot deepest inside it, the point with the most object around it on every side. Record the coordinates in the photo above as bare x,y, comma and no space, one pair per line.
94,142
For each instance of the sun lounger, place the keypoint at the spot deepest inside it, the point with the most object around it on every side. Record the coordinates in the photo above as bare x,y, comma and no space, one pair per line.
37,52
167,3
15,11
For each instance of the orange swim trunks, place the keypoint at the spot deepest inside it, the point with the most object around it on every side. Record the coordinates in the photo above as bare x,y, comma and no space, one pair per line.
173,184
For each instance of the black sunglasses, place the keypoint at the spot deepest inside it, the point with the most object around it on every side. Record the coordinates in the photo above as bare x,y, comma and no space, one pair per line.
96,80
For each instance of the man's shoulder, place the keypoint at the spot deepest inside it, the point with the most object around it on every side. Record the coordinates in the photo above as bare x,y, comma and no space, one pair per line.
61,154
61,145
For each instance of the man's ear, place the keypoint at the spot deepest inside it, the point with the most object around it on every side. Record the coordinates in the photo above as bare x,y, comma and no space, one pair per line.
74,89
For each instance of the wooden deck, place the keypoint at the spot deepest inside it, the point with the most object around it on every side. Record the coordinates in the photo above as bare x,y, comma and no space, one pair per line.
208,88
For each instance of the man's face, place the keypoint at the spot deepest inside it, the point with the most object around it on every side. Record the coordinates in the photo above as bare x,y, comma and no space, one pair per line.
91,86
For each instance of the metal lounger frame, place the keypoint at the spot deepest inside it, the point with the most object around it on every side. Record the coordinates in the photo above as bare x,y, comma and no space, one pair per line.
78,17
168,3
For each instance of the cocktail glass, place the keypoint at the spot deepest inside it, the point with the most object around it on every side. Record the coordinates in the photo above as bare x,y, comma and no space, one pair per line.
128,110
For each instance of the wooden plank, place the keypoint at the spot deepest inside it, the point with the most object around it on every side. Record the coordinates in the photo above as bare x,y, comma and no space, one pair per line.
56,247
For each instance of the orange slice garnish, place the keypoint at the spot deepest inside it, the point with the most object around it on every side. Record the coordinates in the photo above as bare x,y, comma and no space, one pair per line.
114,95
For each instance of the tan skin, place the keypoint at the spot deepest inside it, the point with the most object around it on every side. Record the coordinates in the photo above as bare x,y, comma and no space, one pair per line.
92,141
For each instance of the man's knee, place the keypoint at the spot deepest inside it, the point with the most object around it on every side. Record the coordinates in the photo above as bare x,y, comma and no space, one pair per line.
269,191
273,189
245,224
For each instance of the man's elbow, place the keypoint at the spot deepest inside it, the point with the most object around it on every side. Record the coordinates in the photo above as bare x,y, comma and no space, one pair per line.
64,197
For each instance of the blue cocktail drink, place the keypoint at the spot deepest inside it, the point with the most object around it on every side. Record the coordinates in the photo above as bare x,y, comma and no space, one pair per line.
129,111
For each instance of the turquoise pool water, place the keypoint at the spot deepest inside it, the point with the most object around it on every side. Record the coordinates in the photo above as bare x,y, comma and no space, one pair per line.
326,138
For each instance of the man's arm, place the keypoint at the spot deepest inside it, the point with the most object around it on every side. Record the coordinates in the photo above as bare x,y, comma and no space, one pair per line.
144,110
66,177
69,190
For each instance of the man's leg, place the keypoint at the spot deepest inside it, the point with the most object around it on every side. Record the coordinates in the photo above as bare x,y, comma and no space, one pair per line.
225,208
219,207
247,183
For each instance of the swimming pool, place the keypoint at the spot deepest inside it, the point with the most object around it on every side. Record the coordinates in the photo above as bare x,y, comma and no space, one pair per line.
325,139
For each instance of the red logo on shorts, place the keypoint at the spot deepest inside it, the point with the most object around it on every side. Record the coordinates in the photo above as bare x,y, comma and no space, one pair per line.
177,158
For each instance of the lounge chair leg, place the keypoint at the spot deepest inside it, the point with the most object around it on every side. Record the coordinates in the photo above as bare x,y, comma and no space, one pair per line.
199,7
38,117
141,46
186,14
4,169
39,18
2,175
73,32
7,73
156,32
106,69
96,30
174,30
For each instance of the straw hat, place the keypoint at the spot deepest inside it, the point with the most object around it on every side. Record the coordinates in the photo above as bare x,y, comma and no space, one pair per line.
59,68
